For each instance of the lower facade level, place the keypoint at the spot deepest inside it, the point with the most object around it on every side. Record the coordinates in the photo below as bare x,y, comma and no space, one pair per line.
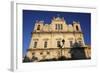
58,54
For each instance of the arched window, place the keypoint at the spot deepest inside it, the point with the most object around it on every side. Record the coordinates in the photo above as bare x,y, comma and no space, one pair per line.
77,28
38,27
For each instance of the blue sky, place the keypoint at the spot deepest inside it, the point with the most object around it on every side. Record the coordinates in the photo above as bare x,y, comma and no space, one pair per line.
30,17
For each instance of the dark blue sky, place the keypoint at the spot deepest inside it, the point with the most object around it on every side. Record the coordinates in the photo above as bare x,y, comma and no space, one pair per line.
30,17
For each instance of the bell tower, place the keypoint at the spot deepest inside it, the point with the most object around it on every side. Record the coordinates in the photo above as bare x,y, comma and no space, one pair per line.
76,26
38,26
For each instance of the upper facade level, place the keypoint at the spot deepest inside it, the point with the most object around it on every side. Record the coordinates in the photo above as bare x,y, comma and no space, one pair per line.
57,25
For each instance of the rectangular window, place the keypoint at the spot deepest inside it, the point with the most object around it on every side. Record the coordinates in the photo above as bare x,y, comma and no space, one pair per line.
56,27
45,44
58,43
71,43
35,44
61,26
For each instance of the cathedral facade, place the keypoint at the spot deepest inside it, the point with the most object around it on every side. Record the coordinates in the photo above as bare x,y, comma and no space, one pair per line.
55,40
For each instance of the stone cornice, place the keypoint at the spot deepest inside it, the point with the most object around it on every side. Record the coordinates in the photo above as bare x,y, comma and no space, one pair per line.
55,32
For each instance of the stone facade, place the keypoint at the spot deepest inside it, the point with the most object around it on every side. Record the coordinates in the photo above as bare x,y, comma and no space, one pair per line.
46,39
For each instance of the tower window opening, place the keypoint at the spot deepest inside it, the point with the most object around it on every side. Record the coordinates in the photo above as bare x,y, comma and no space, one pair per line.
77,28
38,28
